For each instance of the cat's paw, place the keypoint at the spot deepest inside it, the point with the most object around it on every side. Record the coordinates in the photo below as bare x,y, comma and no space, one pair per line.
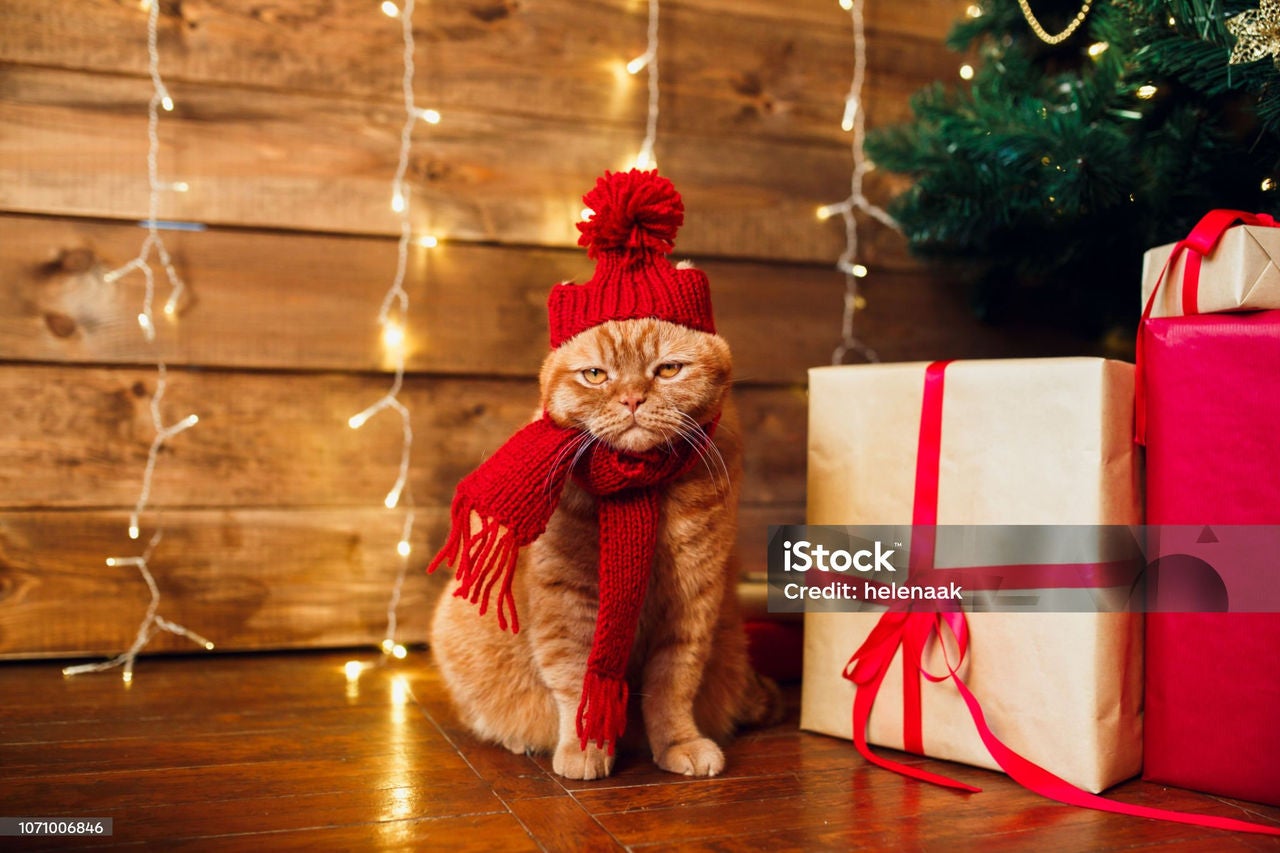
517,745
573,762
700,757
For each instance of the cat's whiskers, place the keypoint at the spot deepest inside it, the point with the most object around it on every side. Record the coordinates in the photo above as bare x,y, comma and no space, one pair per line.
577,446
696,437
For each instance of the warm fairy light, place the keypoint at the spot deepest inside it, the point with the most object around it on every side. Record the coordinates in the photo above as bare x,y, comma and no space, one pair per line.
850,112
586,213
974,11
645,160
393,319
152,622
391,10
829,210
352,669
854,121
392,335
1098,48
1146,92
399,652
966,72
1268,184
141,263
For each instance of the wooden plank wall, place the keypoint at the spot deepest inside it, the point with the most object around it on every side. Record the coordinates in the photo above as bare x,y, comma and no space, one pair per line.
286,129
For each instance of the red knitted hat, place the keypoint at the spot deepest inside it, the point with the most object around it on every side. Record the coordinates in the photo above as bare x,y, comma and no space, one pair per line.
632,229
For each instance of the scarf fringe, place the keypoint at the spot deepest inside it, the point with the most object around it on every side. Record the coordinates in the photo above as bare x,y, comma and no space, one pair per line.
483,559
602,713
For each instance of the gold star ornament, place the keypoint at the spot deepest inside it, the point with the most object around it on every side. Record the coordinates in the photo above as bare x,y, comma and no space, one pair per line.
1257,33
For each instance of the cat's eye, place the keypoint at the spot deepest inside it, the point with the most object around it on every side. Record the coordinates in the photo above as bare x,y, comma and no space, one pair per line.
668,370
594,376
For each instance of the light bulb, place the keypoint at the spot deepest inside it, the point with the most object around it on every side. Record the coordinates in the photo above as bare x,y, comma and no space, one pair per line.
397,201
402,548
638,64
391,10
966,72
429,116
850,112
428,241
1098,48
133,531
1146,92
392,336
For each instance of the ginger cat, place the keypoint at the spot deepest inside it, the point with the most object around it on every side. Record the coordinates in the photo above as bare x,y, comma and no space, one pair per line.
635,385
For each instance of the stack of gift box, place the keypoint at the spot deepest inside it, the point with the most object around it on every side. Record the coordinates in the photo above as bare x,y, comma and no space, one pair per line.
1069,703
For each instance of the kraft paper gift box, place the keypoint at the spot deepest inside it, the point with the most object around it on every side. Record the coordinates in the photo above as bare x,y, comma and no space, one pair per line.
1023,441
1237,272
1213,457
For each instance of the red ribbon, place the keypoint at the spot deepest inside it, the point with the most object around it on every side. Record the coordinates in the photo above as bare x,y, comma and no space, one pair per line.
912,632
1201,241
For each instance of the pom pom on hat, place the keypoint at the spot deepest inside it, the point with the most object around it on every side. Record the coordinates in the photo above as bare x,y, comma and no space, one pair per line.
631,211
634,219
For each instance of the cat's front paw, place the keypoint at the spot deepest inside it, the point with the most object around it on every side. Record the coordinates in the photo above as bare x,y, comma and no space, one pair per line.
573,762
700,757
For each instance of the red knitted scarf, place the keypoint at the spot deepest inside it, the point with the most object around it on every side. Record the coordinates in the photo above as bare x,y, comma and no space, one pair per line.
514,493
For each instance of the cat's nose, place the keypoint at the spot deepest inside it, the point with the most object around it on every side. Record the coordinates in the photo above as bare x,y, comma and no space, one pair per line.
631,401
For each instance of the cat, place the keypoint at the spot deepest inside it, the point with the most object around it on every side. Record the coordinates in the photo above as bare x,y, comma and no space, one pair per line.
635,385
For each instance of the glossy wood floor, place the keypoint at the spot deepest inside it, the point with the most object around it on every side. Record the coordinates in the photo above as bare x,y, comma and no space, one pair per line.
285,752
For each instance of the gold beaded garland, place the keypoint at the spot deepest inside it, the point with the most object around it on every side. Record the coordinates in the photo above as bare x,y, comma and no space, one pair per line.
1054,38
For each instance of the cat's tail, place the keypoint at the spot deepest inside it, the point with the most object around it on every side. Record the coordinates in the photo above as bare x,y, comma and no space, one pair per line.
762,703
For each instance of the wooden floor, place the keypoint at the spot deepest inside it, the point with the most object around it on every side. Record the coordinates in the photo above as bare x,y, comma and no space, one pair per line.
286,752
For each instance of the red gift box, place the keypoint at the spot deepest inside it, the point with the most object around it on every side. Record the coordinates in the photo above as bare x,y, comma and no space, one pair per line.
1213,457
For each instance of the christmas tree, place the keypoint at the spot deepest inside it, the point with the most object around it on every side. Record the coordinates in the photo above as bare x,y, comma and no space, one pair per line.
1089,131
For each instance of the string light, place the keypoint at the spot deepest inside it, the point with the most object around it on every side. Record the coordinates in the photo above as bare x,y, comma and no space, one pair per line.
152,622
1146,92
392,317
966,72
648,60
854,121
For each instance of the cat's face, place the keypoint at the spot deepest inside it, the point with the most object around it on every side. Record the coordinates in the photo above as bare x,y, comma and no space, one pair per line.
636,384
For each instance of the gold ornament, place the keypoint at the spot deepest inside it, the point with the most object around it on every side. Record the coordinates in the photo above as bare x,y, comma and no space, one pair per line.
1257,33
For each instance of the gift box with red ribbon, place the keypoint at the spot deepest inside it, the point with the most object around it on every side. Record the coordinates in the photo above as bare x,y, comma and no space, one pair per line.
1052,699
1209,403
1010,442
1229,262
